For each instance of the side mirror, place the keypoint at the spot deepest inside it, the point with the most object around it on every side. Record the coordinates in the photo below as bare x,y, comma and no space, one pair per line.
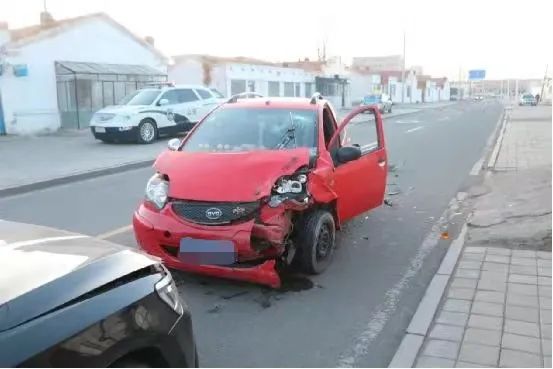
348,153
163,102
173,144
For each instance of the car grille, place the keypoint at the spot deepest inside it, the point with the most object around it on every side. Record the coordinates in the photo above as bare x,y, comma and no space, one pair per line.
215,213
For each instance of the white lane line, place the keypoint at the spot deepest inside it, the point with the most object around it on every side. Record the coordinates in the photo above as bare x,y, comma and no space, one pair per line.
379,318
414,129
114,232
477,167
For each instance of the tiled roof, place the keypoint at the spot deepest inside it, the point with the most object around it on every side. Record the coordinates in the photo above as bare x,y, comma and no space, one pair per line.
23,36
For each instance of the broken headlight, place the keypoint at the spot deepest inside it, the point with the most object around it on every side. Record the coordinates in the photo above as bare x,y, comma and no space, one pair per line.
287,187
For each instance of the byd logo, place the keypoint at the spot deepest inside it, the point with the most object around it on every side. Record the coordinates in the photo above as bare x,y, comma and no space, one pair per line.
213,213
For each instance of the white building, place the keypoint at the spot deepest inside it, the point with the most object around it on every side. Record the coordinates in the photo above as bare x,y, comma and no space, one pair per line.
363,83
235,75
393,85
57,73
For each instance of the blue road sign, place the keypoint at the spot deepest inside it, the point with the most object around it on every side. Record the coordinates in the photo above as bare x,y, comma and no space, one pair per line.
477,74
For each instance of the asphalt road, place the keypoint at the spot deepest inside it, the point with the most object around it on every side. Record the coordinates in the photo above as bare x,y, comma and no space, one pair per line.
356,312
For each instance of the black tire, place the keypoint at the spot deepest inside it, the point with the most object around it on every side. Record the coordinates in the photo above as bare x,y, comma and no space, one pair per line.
147,131
316,241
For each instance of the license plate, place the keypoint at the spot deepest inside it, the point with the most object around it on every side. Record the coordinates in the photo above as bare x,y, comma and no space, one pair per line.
100,130
214,252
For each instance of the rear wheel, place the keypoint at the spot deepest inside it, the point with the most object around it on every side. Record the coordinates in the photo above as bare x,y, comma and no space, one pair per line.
316,241
147,131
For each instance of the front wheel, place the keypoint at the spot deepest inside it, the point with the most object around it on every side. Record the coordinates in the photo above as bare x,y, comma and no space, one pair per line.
147,131
316,241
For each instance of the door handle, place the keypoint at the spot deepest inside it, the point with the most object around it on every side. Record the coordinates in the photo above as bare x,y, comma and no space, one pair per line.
382,162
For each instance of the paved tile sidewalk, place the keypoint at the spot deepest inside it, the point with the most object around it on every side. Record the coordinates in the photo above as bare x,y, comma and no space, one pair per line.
497,312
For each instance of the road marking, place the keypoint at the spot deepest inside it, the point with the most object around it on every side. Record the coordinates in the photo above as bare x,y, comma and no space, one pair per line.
114,232
15,245
476,167
379,319
407,121
414,129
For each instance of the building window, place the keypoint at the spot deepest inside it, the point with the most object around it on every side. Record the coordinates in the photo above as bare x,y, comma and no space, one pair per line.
237,86
108,93
298,90
308,89
251,86
289,89
274,88
408,92
392,90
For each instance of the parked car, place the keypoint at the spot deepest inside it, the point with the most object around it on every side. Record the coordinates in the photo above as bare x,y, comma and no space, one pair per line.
383,101
527,99
478,98
261,183
148,113
68,300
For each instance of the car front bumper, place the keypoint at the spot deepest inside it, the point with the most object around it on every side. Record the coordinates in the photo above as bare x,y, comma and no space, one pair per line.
159,233
115,134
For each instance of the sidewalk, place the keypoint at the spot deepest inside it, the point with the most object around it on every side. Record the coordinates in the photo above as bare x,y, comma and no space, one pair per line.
496,308
28,160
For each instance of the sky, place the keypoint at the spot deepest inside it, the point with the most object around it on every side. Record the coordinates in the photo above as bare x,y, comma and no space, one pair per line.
510,39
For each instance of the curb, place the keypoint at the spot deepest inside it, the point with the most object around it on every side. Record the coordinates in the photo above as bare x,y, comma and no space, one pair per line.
497,147
75,177
411,343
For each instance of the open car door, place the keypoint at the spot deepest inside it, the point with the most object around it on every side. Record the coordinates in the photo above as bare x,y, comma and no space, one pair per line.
359,155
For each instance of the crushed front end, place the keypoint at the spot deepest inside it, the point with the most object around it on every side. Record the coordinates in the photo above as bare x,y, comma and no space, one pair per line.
227,239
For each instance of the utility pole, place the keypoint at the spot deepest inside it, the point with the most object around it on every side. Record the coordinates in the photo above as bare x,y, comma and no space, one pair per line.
403,72
543,83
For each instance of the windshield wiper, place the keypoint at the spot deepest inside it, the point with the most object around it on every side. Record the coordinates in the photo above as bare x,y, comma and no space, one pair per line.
289,135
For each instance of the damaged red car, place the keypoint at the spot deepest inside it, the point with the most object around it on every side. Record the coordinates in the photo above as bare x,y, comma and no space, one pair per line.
260,183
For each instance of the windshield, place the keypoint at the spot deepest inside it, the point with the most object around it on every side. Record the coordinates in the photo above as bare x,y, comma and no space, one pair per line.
216,93
528,97
244,129
140,97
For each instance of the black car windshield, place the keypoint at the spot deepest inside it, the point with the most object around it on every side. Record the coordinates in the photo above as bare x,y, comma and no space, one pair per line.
140,97
528,96
244,129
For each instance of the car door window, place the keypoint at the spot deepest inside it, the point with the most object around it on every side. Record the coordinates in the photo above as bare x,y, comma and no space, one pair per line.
204,94
186,95
171,96
362,133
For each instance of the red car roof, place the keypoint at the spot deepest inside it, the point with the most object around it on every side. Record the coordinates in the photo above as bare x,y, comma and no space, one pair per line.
273,102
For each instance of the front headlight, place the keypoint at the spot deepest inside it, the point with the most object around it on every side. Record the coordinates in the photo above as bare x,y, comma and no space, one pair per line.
286,187
167,291
121,118
157,190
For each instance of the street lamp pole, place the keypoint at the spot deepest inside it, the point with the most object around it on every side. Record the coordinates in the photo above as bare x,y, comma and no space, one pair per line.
403,72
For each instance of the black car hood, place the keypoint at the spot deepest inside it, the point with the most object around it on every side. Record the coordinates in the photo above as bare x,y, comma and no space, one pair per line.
43,268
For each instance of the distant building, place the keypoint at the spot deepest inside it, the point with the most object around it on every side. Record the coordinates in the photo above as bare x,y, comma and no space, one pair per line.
378,63
58,73
233,75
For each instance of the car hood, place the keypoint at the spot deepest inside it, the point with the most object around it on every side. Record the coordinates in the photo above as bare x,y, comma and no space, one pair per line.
241,176
33,259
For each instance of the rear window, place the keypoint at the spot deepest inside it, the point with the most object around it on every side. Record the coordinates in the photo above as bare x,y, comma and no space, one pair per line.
371,99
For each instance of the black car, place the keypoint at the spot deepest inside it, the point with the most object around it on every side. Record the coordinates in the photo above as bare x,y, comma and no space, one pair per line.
71,300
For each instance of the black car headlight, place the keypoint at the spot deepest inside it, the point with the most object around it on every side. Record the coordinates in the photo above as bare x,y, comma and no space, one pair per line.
167,291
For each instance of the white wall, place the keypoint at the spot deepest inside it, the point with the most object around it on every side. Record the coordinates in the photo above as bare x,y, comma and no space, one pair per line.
30,103
191,71
362,84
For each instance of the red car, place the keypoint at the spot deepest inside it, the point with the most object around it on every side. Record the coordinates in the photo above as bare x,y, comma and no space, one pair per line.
259,183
